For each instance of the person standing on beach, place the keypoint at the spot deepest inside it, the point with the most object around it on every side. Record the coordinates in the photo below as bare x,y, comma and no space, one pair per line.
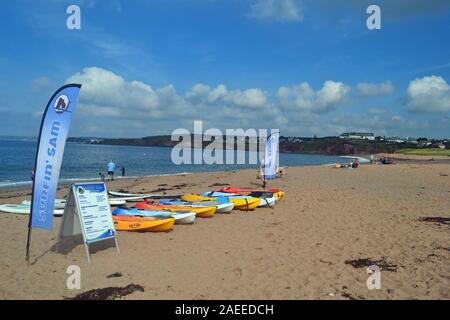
261,174
372,158
123,171
110,168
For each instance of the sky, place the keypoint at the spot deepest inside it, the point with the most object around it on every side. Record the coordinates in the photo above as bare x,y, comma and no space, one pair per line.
306,67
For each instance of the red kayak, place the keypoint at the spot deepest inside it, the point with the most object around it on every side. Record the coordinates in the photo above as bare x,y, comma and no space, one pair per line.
245,191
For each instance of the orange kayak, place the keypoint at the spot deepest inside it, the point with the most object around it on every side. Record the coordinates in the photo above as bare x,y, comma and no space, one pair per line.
123,223
203,212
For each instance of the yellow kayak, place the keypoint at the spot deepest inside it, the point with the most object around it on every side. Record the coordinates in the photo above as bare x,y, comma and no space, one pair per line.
249,203
143,224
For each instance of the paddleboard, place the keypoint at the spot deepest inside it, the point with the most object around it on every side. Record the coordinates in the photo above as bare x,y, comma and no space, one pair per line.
59,203
24,209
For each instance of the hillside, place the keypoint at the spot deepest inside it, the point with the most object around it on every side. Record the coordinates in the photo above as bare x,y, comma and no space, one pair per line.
327,145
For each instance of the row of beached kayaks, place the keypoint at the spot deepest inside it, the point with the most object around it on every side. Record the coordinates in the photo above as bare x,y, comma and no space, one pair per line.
161,215
184,209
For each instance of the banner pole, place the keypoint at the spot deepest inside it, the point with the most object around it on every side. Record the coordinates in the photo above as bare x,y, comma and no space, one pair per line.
38,168
27,256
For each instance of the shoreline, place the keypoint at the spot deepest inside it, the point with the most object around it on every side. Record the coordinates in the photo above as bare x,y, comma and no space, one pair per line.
364,160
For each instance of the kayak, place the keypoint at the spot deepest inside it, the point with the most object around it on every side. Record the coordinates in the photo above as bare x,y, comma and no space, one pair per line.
203,212
59,203
246,191
181,217
221,207
239,203
117,202
140,196
142,224
25,209
267,199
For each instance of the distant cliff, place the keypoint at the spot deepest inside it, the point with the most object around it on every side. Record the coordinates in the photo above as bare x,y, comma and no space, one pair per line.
328,145
336,146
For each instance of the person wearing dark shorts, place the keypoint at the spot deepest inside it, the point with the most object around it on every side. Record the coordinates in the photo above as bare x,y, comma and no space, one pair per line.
110,168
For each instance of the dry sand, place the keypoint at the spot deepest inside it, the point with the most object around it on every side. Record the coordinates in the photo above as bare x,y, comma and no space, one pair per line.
297,250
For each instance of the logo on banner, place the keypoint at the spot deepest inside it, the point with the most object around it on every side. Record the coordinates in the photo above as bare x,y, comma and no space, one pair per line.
61,104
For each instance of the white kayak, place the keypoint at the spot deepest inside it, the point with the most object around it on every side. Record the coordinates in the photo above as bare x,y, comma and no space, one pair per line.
24,209
61,203
139,196
117,202
225,207
268,202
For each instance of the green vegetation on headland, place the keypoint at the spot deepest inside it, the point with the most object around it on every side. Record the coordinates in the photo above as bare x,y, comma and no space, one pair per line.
325,145
426,152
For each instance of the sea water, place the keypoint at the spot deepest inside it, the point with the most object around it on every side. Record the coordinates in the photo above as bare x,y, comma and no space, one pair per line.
86,161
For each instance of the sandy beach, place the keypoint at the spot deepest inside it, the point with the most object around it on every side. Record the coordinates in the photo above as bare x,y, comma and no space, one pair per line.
307,247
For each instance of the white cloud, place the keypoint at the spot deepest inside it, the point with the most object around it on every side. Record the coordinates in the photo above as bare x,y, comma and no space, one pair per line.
253,98
110,105
381,123
136,108
109,95
250,98
428,94
277,10
303,98
373,89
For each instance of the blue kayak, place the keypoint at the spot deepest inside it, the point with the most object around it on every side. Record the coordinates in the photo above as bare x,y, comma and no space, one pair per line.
182,217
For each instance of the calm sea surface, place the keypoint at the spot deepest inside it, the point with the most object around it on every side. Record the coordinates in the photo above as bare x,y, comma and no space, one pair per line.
84,161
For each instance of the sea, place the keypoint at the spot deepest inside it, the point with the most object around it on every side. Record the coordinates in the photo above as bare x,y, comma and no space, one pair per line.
87,161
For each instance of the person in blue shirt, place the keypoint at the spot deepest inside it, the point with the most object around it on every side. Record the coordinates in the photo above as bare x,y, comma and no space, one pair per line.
110,168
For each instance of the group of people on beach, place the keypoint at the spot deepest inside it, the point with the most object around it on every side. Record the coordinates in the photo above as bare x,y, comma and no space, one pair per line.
352,165
381,160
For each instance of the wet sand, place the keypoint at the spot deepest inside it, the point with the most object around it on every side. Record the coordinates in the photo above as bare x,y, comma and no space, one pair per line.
309,246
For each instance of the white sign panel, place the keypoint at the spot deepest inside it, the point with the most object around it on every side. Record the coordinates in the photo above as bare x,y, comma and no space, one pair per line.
94,210
87,212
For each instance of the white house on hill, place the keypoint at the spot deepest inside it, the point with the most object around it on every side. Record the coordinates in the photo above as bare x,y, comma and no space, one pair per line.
358,136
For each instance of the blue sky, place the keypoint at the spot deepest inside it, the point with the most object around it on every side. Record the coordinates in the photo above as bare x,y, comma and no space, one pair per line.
305,67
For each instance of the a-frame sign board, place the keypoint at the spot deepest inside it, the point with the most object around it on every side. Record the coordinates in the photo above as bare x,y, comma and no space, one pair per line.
87,212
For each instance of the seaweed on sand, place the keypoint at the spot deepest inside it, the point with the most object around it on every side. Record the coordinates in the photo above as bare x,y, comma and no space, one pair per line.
115,275
366,262
441,220
109,293
217,184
